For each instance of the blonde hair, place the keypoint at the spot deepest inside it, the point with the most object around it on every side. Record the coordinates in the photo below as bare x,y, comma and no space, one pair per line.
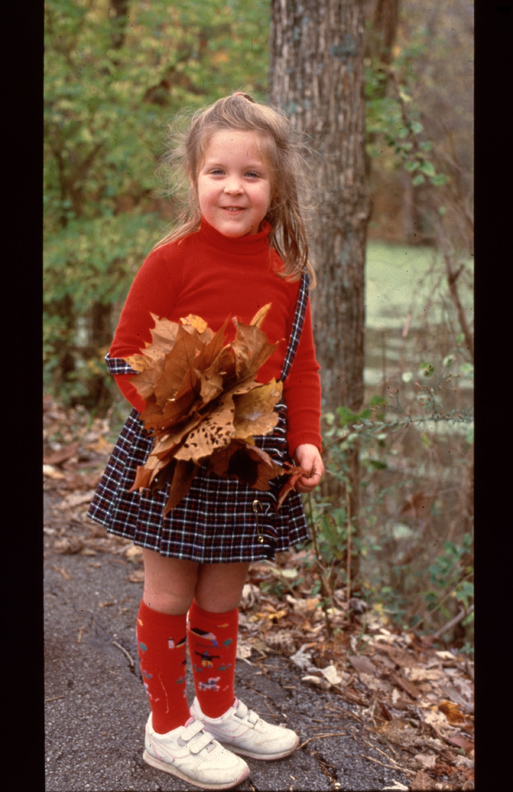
283,152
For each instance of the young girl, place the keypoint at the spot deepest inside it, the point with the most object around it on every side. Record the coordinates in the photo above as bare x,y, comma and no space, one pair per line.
241,246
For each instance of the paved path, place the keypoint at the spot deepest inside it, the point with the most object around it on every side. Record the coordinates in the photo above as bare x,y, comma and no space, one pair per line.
96,706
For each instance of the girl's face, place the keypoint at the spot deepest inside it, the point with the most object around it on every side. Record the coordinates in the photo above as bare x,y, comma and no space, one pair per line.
234,183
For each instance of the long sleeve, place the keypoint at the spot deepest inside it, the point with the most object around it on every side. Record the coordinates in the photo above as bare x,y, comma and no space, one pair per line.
219,278
302,392
152,292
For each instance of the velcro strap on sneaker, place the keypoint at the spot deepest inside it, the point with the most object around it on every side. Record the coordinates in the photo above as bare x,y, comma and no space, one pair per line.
195,737
243,713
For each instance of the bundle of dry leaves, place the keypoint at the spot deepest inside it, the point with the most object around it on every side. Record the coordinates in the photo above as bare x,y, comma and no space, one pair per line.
204,405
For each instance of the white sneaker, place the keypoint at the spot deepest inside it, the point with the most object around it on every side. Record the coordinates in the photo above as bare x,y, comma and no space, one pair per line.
246,733
193,755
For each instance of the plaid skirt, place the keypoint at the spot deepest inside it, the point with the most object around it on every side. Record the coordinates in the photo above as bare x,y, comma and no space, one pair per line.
219,520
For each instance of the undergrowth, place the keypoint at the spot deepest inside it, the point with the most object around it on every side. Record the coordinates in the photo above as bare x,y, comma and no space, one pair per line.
413,534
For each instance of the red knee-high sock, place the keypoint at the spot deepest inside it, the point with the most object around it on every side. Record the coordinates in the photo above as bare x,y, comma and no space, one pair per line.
161,645
213,648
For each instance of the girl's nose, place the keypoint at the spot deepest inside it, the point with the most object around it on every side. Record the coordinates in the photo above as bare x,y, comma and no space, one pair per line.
233,185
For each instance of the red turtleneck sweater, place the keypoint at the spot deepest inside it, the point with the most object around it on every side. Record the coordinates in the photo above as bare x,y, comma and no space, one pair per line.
217,277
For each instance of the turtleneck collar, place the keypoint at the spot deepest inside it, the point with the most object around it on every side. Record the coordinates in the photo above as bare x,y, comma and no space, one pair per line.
248,245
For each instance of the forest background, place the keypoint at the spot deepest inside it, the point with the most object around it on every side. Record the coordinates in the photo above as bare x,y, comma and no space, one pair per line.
115,73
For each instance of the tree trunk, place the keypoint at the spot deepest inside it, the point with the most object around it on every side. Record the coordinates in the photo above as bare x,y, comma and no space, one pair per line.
317,76
384,29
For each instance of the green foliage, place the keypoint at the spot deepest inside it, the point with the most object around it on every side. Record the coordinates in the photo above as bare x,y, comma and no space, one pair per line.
417,582
93,259
451,572
284,580
393,116
113,81
112,85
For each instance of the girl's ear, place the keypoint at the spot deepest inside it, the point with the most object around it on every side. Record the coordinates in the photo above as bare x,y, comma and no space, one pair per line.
191,178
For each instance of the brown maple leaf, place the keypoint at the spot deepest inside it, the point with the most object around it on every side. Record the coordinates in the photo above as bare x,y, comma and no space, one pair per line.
182,477
246,462
294,474
204,405
254,410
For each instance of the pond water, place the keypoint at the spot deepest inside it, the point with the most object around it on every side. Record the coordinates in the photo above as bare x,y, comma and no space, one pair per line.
402,280
409,315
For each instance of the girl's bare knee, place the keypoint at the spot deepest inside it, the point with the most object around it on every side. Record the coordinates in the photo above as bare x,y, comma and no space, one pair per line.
219,586
169,583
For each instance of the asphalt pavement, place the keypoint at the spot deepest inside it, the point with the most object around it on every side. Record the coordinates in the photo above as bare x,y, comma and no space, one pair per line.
96,707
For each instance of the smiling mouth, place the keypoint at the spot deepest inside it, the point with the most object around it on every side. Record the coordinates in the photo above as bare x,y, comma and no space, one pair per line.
233,208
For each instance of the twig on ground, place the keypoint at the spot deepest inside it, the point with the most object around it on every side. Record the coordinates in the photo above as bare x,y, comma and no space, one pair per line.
322,737
348,566
391,767
127,654
453,622
345,712
375,748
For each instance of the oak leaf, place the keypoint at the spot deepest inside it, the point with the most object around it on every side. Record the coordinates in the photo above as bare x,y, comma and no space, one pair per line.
181,481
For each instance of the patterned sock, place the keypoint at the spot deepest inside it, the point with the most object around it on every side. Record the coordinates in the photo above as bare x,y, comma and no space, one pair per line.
161,645
213,647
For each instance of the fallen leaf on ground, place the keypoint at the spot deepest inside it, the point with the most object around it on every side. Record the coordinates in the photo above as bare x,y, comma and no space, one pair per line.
422,782
331,674
317,681
426,760
409,687
76,500
51,472
133,551
68,545
362,665
461,742
61,455
451,711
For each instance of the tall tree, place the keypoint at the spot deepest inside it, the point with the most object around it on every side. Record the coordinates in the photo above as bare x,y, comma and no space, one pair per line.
317,76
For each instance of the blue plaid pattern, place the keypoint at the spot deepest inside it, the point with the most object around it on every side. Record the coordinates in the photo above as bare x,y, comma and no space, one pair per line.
118,365
216,521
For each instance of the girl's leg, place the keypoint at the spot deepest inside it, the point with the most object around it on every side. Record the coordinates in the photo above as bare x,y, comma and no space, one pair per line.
161,637
169,583
213,647
212,634
219,586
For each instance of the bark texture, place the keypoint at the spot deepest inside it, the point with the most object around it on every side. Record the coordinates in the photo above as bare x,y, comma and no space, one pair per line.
317,51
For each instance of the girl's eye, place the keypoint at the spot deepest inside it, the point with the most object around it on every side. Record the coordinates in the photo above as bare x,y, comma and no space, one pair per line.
252,174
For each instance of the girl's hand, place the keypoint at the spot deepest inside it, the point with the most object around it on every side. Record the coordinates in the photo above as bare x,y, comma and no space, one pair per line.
308,457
